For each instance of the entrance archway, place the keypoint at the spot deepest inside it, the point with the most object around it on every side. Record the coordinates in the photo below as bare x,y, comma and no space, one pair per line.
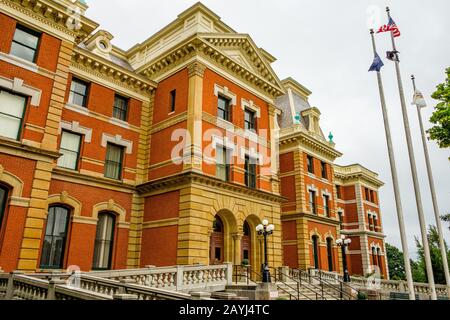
246,244
216,247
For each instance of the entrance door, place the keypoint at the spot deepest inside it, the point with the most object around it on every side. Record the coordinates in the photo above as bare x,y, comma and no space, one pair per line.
246,244
216,254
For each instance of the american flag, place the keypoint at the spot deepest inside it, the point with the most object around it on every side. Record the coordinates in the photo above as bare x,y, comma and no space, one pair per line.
391,26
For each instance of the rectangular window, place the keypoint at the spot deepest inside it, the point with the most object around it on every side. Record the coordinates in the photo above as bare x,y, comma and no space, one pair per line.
113,163
120,109
341,217
250,120
338,192
323,167
173,97
223,107
25,43
222,164
250,172
310,160
312,201
12,110
70,149
326,205
372,198
78,92
366,194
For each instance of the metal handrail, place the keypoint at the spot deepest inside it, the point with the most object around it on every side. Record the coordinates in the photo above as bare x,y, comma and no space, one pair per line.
341,284
321,288
299,284
332,286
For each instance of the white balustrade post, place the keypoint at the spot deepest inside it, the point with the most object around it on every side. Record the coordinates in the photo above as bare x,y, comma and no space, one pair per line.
284,273
51,291
124,283
229,273
10,288
125,297
180,278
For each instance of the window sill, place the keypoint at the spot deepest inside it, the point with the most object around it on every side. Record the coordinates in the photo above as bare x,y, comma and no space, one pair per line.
77,108
225,124
120,123
25,64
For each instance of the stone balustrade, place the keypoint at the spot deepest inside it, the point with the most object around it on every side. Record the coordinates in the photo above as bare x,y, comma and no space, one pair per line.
385,285
177,278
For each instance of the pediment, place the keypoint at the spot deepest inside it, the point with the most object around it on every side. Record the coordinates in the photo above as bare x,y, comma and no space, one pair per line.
241,49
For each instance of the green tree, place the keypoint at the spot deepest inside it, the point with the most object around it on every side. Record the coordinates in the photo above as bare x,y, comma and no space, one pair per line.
440,132
395,262
446,218
436,257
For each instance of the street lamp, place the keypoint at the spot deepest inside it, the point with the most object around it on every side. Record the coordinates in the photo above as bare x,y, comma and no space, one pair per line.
265,229
344,242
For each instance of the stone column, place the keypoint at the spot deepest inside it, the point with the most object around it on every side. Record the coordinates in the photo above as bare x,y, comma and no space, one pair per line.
303,243
237,240
193,149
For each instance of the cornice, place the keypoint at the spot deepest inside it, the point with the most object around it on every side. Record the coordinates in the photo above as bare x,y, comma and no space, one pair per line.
192,177
109,71
303,137
196,46
355,173
55,15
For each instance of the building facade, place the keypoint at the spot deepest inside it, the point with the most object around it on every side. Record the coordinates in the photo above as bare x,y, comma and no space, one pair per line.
168,153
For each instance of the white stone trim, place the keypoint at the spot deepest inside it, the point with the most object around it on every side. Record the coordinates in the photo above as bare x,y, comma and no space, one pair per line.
372,214
75,127
312,187
224,142
340,210
326,193
224,91
77,108
246,104
117,139
252,153
16,85
30,66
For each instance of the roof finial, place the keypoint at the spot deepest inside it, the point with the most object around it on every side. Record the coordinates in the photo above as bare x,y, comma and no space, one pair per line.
331,137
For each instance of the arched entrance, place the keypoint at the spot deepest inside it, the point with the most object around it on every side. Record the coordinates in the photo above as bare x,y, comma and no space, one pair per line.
246,243
216,247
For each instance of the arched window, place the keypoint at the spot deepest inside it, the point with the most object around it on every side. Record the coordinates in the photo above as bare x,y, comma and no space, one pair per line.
104,241
380,265
3,199
374,256
330,253
55,238
315,241
217,225
246,229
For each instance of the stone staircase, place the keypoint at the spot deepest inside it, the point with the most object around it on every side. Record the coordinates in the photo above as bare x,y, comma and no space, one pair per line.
288,291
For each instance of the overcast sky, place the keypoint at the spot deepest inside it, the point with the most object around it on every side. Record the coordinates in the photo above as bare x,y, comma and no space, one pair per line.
325,45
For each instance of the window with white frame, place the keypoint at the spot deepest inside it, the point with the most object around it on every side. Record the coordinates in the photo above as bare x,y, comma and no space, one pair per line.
114,161
223,108
12,110
78,92
70,149
250,120
222,163
25,43
312,201
104,240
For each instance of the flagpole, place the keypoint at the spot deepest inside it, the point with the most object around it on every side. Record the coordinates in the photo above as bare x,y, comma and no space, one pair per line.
398,202
433,194
412,161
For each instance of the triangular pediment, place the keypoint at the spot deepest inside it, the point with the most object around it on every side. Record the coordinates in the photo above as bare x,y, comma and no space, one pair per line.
241,49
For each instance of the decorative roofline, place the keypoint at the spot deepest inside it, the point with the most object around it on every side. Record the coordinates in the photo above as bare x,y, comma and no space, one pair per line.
114,72
195,45
357,171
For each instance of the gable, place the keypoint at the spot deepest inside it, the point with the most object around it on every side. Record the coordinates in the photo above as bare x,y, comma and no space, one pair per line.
241,49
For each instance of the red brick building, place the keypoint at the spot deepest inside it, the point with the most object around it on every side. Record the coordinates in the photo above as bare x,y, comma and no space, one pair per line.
163,154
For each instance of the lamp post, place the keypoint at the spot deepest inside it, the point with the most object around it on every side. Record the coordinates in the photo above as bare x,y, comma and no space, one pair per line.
344,242
265,229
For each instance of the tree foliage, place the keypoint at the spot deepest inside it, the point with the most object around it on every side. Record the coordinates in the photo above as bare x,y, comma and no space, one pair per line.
436,257
440,132
446,218
396,263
